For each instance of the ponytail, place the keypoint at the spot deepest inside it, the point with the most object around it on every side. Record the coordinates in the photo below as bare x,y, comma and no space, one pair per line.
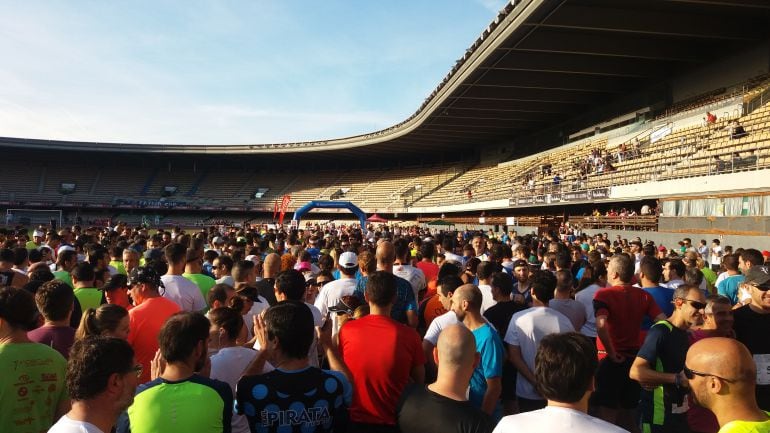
88,326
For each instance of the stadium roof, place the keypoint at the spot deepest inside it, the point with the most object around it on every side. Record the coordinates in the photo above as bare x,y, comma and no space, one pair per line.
539,63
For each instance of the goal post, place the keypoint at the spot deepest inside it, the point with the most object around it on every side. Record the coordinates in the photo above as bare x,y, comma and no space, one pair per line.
33,217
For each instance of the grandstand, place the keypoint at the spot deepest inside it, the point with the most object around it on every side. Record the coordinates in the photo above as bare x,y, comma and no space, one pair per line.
610,96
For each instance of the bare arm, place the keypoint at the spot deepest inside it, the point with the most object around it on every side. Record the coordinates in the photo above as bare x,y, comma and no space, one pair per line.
603,333
514,355
427,350
642,372
492,395
411,318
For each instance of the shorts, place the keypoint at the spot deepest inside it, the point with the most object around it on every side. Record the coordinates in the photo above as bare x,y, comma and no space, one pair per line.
508,381
614,389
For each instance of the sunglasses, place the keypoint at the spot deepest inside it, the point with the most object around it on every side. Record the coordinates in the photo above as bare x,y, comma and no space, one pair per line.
690,374
761,288
695,304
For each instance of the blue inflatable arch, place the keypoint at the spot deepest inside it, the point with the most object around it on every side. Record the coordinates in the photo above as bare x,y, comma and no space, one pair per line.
324,204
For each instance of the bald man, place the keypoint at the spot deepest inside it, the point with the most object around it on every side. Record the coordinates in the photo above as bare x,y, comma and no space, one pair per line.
405,307
722,376
444,402
266,286
486,382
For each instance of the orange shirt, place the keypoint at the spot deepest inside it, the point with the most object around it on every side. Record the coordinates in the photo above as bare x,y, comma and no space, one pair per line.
145,321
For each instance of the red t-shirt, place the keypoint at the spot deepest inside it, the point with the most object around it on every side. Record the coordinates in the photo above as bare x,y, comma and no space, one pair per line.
380,354
430,270
145,321
625,307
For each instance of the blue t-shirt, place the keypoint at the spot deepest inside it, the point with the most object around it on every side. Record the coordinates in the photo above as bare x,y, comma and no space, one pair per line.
405,300
729,287
490,348
664,297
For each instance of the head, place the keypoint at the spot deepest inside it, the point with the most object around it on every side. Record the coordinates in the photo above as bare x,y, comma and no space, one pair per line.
176,255
103,368
521,271
130,259
243,272
220,295
564,281
385,255
381,289
565,365
718,315
272,265
290,285
479,245
184,338
543,284
502,284
689,304
83,275
55,300
18,312
290,329
227,326
721,373
455,353
348,264
650,270
757,282
674,269
466,300
367,263
750,257
445,289
143,283
109,320
222,266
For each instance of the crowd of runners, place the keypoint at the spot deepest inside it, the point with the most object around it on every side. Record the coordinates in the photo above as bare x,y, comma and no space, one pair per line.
384,329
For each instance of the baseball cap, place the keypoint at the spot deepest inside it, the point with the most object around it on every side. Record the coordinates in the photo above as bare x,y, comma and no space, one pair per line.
144,274
154,254
117,281
38,233
303,266
348,260
249,292
64,248
347,305
758,276
217,240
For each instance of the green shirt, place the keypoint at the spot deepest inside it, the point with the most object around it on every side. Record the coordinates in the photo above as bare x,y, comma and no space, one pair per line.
63,276
747,426
31,387
117,264
89,297
204,283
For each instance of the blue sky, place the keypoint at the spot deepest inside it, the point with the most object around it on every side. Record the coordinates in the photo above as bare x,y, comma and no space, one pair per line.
224,72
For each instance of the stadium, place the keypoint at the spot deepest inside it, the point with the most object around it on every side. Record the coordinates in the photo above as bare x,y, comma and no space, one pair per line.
548,86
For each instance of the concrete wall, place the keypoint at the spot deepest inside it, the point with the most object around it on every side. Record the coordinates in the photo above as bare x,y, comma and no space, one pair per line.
697,186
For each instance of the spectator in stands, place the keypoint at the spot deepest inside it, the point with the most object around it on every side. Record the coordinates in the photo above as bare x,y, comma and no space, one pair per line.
722,376
178,288
710,118
567,390
55,301
445,402
736,130
379,374
32,376
200,404
102,377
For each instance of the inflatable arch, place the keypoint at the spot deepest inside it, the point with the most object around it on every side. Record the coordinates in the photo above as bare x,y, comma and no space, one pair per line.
324,204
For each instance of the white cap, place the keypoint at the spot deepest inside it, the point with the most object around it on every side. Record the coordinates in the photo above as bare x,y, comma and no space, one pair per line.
38,233
64,248
348,260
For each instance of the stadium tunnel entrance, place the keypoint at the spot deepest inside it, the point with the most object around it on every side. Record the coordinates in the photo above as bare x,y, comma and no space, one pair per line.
327,204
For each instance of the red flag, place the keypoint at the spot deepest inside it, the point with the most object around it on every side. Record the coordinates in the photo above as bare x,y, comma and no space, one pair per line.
284,207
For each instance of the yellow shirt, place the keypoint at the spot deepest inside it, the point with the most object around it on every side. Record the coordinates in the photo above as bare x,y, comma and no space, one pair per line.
747,426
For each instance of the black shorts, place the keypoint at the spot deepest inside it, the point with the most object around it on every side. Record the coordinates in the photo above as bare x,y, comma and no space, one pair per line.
614,389
509,382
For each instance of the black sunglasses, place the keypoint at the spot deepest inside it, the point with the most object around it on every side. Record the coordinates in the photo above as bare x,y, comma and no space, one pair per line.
690,374
698,305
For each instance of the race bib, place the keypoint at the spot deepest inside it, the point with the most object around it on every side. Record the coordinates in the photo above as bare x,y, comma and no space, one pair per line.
762,362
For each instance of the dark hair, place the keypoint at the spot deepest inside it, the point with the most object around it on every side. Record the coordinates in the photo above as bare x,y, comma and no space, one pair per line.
19,256
83,272
693,276
485,269
91,363
730,262
291,323
565,365
401,247
427,250
543,283
651,268
381,288
181,333
225,261
229,319
291,283
218,292
752,256
563,260
449,283
448,269
6,255
55,300
97,321
503,282
17,307
325,262
175,253
564,280
677,266
241,270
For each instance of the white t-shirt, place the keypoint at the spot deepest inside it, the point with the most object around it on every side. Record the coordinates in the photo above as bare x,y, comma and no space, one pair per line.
331,294
415,276
586,297
227,279
438,324
228,366
454,257
255,310
554,419
487,300
716,255
183,292
721,278
525,330
69,425
673,284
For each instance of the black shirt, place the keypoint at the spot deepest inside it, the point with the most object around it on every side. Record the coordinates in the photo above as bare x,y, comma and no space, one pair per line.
499,315
752,329
266,289
423,411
